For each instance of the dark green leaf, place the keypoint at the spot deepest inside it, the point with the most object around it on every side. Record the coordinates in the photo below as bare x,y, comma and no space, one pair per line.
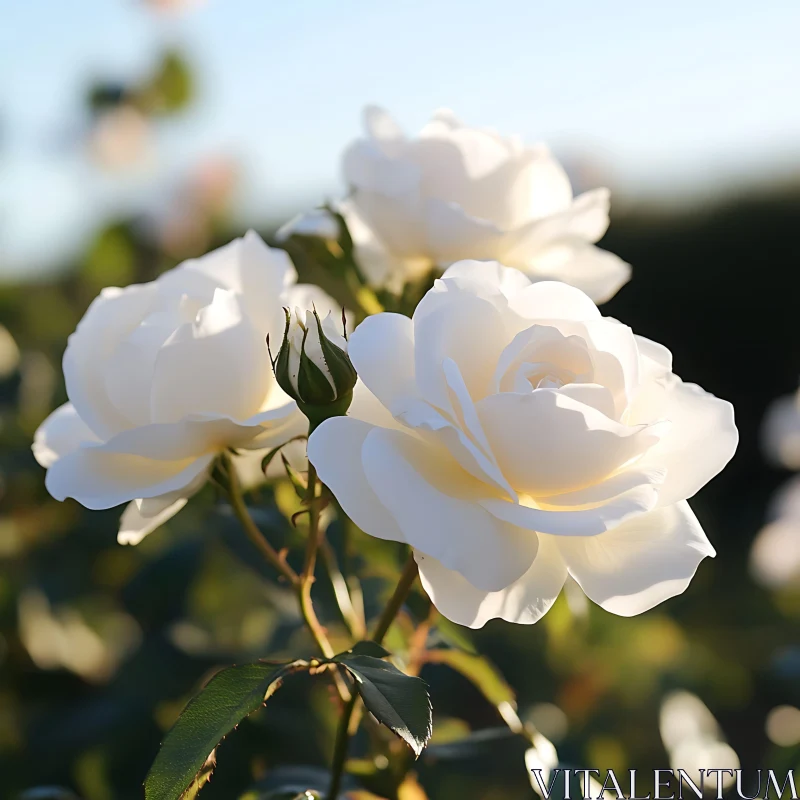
202,777
228,698
366,648
399,701
267,460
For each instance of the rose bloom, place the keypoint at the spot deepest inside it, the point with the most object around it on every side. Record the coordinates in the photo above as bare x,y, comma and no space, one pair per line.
163,376
513,436
457,192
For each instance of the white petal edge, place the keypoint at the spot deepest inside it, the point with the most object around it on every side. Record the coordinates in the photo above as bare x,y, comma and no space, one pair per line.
61,433
524,602
334,448
639,564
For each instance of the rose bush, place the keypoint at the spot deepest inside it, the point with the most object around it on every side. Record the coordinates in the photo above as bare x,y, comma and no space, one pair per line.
512,435
163,376
457,192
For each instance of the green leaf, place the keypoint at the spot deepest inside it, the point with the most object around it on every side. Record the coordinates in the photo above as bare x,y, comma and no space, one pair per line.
401,702
455,635
366,648
267,460
229,697
479,671
202,777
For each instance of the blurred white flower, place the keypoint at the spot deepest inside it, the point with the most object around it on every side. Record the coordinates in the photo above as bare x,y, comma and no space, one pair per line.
512,436
783,726
693,739
61,638
457,192
161,377
781,431
775,555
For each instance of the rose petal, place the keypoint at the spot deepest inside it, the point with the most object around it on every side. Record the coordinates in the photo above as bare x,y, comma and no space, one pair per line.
108,321
702,437
142,517
431,499
217,364
525,601
382,351
641,563
452,322
548,443
335,449
256,272
61,433
98,478
552,300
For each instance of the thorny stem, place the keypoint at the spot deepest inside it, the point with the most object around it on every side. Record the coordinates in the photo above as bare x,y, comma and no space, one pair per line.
307,576
391,610
301,583
276,559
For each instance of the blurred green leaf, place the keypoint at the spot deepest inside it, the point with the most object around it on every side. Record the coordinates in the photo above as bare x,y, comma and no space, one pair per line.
170,89
399,701
479,671
455,635
228,698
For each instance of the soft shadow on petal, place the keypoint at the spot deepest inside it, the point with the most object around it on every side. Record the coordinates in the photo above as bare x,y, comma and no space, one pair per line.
216,364
524,602
453,322
252,269
549,443
433,501
335,448
567,521
382,351
108,320
61,433
641,563
453,234
701,441
98,478
507,280
553,300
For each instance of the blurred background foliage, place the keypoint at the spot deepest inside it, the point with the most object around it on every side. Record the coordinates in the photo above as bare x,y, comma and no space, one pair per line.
101,645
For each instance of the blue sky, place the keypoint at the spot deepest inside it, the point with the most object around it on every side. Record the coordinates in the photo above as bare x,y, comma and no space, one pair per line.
670,99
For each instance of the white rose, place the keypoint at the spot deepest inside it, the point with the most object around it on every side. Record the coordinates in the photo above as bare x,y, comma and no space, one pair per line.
163,376
457,192
512,436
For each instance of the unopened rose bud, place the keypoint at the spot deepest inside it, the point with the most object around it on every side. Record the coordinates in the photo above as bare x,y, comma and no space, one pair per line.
313,367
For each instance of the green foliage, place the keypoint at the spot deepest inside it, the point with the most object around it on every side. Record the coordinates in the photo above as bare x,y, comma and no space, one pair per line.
399,701
479,671
185,760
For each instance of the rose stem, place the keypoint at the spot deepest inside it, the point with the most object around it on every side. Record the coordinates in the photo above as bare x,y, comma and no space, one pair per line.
409,575
301,583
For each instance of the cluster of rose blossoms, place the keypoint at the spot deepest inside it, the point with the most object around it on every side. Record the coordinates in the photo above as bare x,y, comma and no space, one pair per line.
510,434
